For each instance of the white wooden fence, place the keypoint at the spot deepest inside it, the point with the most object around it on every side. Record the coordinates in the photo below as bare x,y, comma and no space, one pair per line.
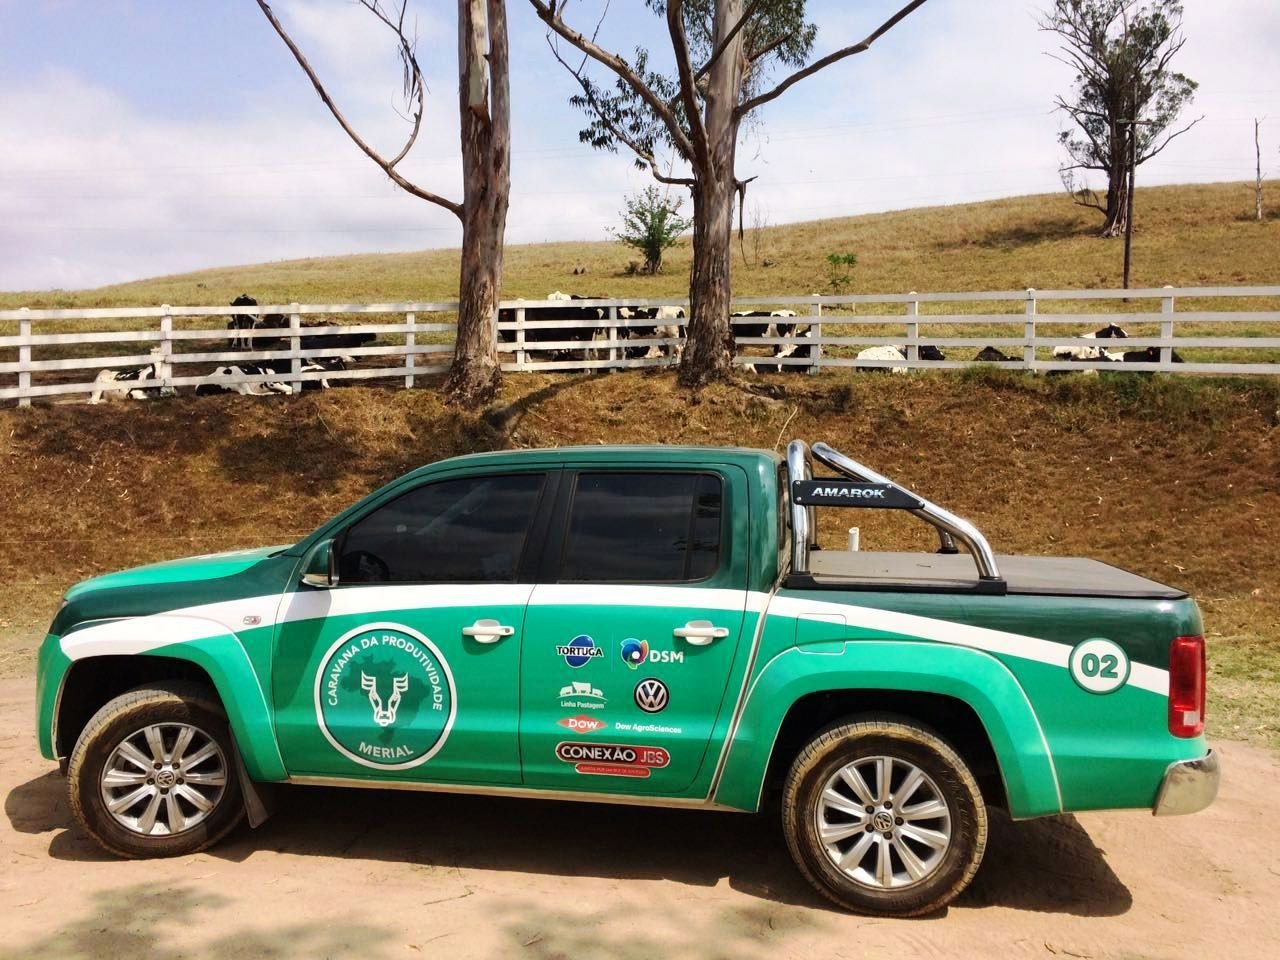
416,337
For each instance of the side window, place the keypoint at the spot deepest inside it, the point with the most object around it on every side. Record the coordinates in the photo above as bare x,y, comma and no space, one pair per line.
643,527
469,530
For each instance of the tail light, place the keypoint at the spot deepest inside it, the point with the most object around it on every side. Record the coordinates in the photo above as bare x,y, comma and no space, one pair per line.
1186,687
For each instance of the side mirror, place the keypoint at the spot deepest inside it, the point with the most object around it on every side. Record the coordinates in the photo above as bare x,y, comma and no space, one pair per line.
321,566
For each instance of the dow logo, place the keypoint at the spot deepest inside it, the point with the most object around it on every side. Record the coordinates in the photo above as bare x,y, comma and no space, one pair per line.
579,651
385,697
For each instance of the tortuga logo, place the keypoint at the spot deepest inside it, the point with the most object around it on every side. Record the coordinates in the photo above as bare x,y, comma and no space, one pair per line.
612,759
583,724
385,697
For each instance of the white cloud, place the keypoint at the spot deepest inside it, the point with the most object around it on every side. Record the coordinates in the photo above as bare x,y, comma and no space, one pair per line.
954,105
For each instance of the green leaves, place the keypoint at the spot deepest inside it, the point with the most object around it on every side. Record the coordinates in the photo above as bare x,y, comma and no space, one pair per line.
651,224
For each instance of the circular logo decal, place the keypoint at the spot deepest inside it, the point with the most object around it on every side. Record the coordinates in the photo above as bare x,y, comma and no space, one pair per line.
579,651
1099,665
385,697
634,652
651,695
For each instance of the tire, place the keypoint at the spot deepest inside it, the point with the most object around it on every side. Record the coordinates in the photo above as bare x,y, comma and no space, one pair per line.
820,827
107,765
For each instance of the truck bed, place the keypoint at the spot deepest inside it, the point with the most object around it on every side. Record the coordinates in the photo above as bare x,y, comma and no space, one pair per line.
1039,576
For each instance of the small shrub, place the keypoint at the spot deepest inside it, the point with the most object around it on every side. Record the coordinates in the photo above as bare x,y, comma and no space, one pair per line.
651,224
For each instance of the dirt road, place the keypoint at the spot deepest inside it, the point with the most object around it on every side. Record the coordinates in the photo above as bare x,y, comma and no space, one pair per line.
385,875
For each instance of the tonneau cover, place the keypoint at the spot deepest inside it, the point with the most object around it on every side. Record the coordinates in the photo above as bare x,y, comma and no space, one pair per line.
1044,576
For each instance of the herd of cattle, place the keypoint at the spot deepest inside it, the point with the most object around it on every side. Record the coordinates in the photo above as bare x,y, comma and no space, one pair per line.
563,332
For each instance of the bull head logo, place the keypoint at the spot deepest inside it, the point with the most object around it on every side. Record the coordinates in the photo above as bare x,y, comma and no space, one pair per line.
384,717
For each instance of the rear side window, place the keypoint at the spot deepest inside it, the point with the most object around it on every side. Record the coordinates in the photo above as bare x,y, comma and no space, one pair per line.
469,530
643,527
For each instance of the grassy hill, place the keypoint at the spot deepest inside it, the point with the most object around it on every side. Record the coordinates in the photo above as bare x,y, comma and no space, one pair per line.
1191,234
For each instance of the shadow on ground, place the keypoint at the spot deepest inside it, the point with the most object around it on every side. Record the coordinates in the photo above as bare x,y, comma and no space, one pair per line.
1048,865
156,920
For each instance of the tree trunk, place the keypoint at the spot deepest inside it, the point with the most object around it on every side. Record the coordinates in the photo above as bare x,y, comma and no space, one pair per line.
708,354
1117,184
484,113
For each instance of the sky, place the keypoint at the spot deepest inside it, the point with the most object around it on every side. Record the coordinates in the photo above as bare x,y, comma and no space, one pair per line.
146,137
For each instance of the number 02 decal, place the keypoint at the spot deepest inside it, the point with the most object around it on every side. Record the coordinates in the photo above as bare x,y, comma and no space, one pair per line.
1099,665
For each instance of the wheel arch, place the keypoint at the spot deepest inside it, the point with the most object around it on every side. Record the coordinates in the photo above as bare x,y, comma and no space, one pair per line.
219,661
798,692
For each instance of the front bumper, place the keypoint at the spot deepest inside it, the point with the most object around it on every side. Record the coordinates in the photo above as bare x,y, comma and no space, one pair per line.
1188,786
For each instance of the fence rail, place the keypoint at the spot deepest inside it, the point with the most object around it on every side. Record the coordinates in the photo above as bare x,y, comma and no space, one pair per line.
45,355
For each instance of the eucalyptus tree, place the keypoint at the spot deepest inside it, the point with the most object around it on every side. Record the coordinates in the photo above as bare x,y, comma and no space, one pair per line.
729,58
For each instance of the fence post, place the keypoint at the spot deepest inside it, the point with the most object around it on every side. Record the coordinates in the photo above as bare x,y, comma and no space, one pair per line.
1166,327
913,328
165,367
520,339
613,338
1029,330
295,345
24,358
410,341
815,311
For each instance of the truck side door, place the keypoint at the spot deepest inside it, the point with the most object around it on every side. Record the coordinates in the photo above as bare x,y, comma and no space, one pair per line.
631,632
408,668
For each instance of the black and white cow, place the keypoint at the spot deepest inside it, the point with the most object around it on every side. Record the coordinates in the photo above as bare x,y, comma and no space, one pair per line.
115,384
1086,353
1149,355
544,325
242,322
926,351
769,328
268,368
667,327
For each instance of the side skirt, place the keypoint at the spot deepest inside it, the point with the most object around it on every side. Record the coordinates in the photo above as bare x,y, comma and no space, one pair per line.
530,793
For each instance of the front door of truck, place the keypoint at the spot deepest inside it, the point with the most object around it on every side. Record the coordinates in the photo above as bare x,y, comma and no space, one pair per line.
408,669
628,650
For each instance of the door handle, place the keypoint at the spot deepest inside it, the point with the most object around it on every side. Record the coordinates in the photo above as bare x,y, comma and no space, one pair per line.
487,631
700,632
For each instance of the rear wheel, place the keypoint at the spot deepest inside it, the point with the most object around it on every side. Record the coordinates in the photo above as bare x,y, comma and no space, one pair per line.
153,774
883,816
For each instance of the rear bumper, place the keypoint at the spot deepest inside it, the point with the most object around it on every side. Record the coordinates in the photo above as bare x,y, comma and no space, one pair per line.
1188,786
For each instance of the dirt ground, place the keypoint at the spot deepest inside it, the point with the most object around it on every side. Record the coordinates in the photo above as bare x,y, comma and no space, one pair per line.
386,875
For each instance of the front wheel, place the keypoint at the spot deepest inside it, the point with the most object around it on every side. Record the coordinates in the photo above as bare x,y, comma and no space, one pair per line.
153,775
882,816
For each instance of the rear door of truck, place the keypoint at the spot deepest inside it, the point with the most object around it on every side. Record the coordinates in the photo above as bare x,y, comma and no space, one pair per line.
631,632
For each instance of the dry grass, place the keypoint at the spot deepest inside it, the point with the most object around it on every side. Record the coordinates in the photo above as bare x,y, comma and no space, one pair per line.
1192,234
1176,479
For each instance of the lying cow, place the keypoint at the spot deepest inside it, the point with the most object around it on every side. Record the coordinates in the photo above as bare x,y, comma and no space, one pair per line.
926,351
990,354
114,384
270,368
1109,332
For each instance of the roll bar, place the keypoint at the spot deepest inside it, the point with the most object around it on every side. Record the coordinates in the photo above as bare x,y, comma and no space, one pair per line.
804,528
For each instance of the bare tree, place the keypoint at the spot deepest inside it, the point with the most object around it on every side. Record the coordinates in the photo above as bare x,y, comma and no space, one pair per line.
1257,186
1124,87
484,108
723,51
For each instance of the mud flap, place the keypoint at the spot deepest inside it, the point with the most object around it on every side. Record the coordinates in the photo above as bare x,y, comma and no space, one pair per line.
259,798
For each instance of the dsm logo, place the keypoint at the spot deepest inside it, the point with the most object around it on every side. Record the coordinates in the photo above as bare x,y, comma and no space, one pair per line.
636,652
579,651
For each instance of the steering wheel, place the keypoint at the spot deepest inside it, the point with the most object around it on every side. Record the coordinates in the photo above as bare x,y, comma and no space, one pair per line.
361,566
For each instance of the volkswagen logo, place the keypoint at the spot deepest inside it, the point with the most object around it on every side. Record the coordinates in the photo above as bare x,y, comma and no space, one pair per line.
651,695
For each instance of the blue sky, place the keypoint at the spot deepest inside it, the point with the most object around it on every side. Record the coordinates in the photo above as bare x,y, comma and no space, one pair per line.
140,137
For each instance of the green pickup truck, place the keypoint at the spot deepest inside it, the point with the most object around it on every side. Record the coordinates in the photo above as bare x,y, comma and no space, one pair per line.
643,625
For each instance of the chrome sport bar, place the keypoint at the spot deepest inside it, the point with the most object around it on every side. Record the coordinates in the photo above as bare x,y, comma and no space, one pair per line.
948,525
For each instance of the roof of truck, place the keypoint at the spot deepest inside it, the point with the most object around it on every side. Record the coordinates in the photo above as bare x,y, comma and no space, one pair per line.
655,453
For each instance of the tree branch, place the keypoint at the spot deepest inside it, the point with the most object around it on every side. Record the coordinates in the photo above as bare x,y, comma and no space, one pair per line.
388,166
1167,140
639,151
688,93
548,12
860,47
